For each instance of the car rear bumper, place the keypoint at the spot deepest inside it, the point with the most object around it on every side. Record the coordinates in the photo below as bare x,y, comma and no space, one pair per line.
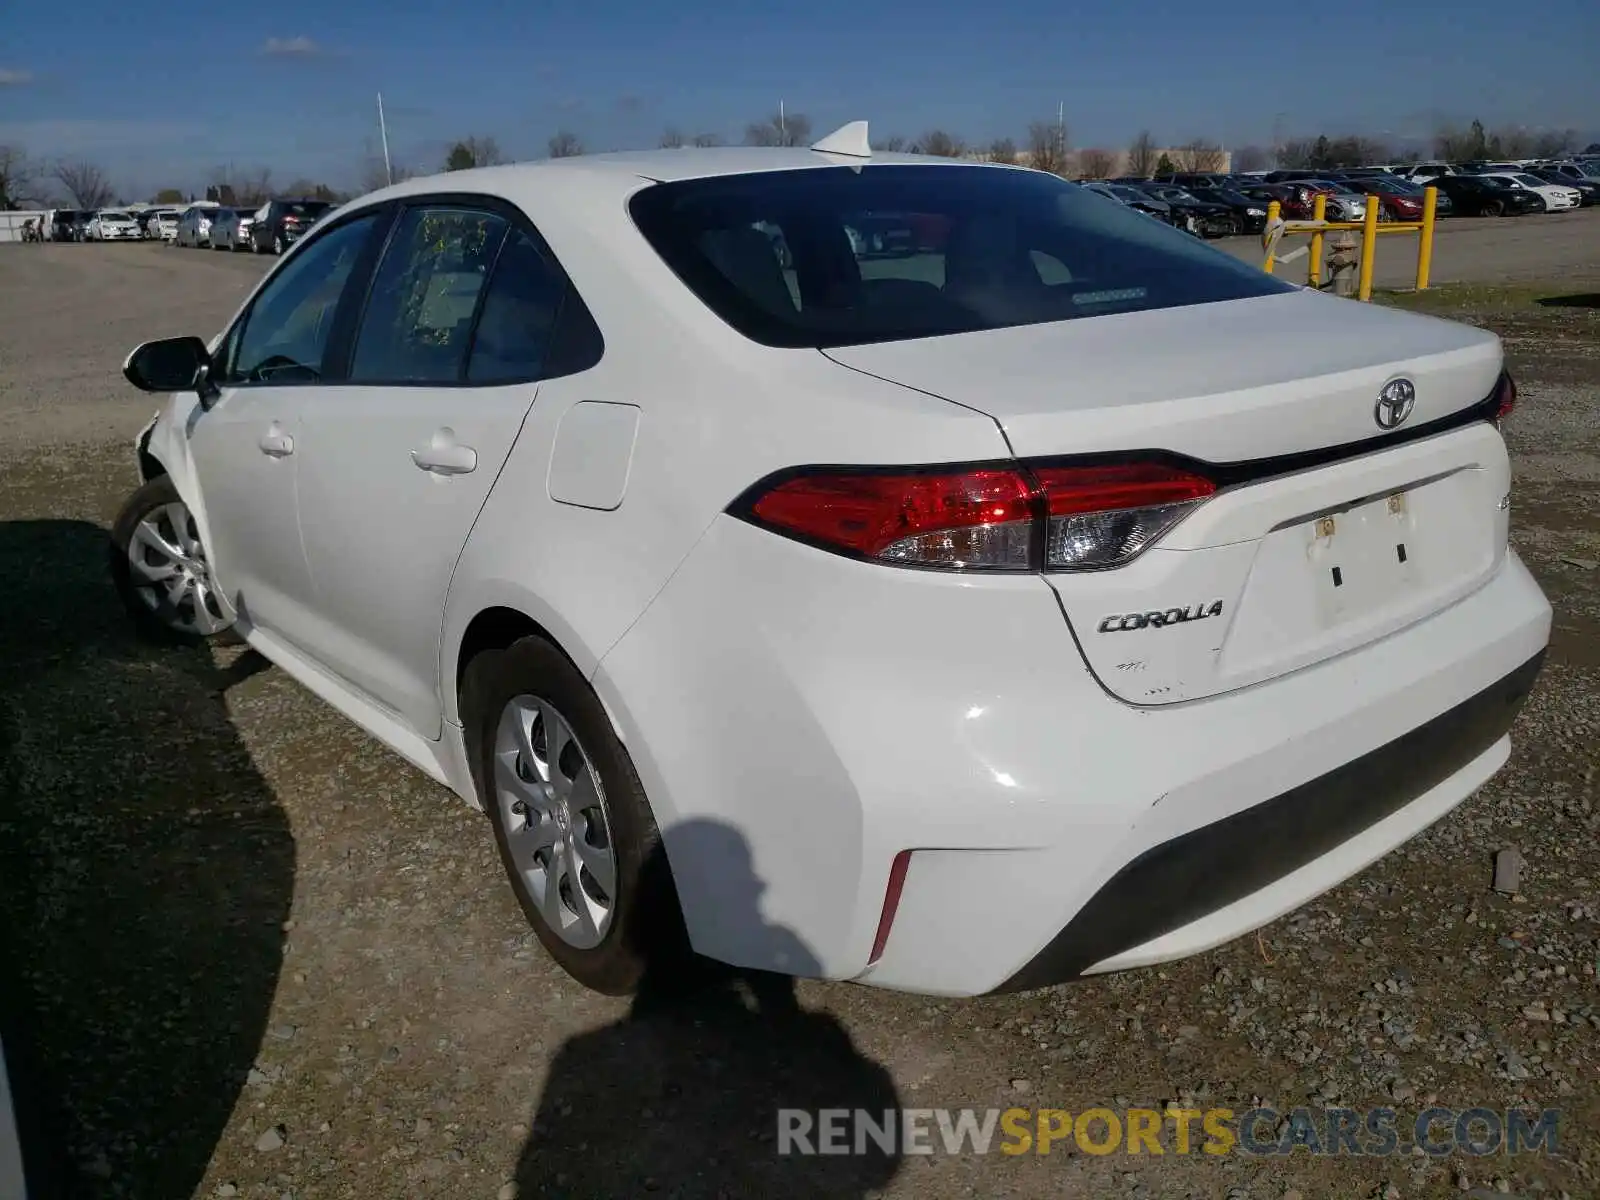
1214,882
840,716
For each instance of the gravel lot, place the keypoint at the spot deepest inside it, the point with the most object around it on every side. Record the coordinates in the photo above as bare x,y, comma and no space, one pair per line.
260,956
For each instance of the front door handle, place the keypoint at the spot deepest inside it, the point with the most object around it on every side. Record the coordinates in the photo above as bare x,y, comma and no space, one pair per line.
276,443
445,456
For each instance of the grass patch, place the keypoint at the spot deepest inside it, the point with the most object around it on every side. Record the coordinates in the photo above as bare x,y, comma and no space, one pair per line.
1489,297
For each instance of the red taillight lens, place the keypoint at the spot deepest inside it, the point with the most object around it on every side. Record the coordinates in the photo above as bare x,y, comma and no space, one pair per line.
1062,518
979,518
1505,395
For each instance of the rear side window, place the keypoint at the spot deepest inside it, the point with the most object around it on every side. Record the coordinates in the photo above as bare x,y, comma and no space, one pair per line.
418,319
518,322
839,256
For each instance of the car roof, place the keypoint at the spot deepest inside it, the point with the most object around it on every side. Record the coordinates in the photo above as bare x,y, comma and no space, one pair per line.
626,170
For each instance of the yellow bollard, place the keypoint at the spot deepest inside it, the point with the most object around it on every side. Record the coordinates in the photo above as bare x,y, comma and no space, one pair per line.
1430,204
1369,244
1319,212
1274,211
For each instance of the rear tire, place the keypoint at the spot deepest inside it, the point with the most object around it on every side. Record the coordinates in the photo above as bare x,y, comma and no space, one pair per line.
523,696
1494,208
277,243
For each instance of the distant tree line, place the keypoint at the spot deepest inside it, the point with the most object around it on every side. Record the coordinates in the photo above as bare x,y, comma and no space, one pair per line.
27,182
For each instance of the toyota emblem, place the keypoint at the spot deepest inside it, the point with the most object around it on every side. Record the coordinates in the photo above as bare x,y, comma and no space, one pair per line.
1395,402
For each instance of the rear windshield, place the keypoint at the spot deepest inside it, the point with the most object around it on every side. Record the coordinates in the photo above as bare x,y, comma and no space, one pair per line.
963,249
304,210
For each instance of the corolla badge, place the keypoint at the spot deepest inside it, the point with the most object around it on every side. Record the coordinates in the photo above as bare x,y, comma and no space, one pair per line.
1395,402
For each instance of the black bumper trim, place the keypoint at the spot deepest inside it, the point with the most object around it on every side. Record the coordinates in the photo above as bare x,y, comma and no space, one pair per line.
1184,879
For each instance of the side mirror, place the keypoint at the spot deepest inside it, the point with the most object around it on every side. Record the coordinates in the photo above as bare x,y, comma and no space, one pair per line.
178,364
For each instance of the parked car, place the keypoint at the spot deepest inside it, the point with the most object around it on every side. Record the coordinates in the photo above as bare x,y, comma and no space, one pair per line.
152,221
1199,217
164,224
1475,196
1556,197
744,717
58,224
1194,179
1398,199
111,225
1577,172
1134,198
194,227
1250,216
1588,189
230,229
1423,172
280,223
80,225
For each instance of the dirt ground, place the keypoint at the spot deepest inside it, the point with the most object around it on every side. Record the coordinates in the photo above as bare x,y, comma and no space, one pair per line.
257,955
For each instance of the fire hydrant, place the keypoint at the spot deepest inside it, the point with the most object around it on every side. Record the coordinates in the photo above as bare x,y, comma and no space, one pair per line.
1343,256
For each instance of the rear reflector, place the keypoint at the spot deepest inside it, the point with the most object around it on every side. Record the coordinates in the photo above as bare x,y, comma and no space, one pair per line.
1014,518
891,902
1505,396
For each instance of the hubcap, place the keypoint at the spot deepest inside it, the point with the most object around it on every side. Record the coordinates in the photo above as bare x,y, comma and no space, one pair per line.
170,573
558,828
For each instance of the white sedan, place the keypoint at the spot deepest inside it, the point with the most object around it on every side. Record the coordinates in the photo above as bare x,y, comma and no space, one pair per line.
112,225
1556,197
1054,595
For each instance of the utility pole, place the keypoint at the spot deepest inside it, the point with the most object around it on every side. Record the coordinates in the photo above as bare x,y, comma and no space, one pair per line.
383,132
783,126
1061,132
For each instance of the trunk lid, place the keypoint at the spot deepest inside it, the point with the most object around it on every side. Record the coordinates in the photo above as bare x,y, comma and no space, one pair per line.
1286,565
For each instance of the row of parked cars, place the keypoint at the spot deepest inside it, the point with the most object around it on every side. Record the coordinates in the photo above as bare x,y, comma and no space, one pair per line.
270,229
1219,204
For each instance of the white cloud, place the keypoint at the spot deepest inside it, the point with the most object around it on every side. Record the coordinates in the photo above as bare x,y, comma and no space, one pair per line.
14,78
295,47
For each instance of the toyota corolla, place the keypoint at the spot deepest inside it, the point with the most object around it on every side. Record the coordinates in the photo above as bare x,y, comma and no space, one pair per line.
1054,595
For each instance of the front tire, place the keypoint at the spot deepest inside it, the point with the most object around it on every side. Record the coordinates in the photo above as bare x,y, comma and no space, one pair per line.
570,818
161,573
1494,208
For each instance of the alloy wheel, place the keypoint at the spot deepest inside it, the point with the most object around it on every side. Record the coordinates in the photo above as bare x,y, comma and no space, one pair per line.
170,574
552,807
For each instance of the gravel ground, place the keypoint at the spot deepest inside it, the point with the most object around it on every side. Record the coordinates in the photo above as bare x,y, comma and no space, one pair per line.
262,957
1541,247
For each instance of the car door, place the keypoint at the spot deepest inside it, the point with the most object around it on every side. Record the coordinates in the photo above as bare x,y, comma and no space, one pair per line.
244,447
399,460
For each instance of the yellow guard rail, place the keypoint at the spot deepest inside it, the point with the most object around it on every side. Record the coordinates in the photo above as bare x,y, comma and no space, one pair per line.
1277,228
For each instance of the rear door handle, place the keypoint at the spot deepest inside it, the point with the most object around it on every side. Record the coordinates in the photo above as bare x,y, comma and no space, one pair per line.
446,457
276,443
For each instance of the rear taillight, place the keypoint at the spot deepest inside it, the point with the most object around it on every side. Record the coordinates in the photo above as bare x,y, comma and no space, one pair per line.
999,518
1105,516
1505,397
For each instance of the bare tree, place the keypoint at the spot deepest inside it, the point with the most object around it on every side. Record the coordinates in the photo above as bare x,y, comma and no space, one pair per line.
1200,155
253,188
1297,153
706,139
564,144
17,176
1001,150
1097,163
1553,143
942,145
375,175
474,152
1250,158
85,183
1142,155
1047,147
780,129
895,144
672,139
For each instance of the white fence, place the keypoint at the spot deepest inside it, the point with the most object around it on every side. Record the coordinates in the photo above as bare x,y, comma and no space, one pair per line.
11,223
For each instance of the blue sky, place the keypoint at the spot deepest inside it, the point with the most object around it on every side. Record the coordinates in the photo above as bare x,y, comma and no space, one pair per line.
159,96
